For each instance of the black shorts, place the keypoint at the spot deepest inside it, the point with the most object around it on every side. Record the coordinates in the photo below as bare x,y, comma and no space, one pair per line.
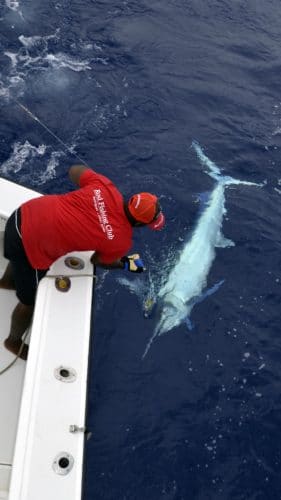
26,278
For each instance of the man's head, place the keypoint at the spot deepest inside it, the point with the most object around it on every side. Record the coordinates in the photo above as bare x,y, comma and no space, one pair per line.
144,210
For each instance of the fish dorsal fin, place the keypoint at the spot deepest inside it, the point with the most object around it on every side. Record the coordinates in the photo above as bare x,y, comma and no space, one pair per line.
223,242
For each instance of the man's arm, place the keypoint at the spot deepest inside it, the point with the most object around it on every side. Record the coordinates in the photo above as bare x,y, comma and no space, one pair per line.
132,263
75,173
117,264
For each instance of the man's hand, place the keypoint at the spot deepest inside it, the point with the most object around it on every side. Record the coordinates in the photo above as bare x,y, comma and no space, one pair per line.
133,263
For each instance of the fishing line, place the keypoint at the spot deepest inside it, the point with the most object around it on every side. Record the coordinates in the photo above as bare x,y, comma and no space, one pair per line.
36,119
4,370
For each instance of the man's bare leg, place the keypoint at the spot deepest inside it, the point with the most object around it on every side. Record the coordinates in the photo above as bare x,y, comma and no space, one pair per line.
7,280
21,319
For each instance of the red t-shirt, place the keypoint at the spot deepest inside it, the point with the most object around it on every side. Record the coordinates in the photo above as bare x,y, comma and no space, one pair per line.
90,218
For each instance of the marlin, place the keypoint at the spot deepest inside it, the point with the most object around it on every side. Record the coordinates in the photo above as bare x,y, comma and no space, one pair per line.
187,279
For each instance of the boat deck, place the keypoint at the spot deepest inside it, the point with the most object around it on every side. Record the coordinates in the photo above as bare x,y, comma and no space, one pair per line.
11,383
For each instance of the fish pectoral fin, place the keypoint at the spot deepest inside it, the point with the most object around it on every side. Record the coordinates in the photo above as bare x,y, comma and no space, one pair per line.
189,323
208,292
223,242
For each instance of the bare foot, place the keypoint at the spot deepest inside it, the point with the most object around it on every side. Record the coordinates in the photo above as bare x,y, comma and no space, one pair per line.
14,347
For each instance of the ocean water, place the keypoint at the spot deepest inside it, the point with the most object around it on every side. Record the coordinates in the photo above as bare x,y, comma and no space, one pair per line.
128,86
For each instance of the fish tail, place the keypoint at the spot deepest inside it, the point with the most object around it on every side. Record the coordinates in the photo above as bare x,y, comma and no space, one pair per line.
215,172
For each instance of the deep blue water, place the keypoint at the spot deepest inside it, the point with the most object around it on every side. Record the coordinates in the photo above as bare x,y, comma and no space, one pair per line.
128,85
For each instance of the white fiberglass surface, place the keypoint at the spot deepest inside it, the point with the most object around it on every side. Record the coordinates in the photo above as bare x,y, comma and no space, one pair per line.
10,382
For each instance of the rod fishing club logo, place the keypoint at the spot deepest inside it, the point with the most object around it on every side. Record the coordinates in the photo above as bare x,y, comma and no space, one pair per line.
102,214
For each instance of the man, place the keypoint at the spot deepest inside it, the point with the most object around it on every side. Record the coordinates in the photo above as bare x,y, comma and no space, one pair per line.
94,217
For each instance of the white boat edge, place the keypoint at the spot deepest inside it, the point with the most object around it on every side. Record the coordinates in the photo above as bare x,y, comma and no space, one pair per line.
44,444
